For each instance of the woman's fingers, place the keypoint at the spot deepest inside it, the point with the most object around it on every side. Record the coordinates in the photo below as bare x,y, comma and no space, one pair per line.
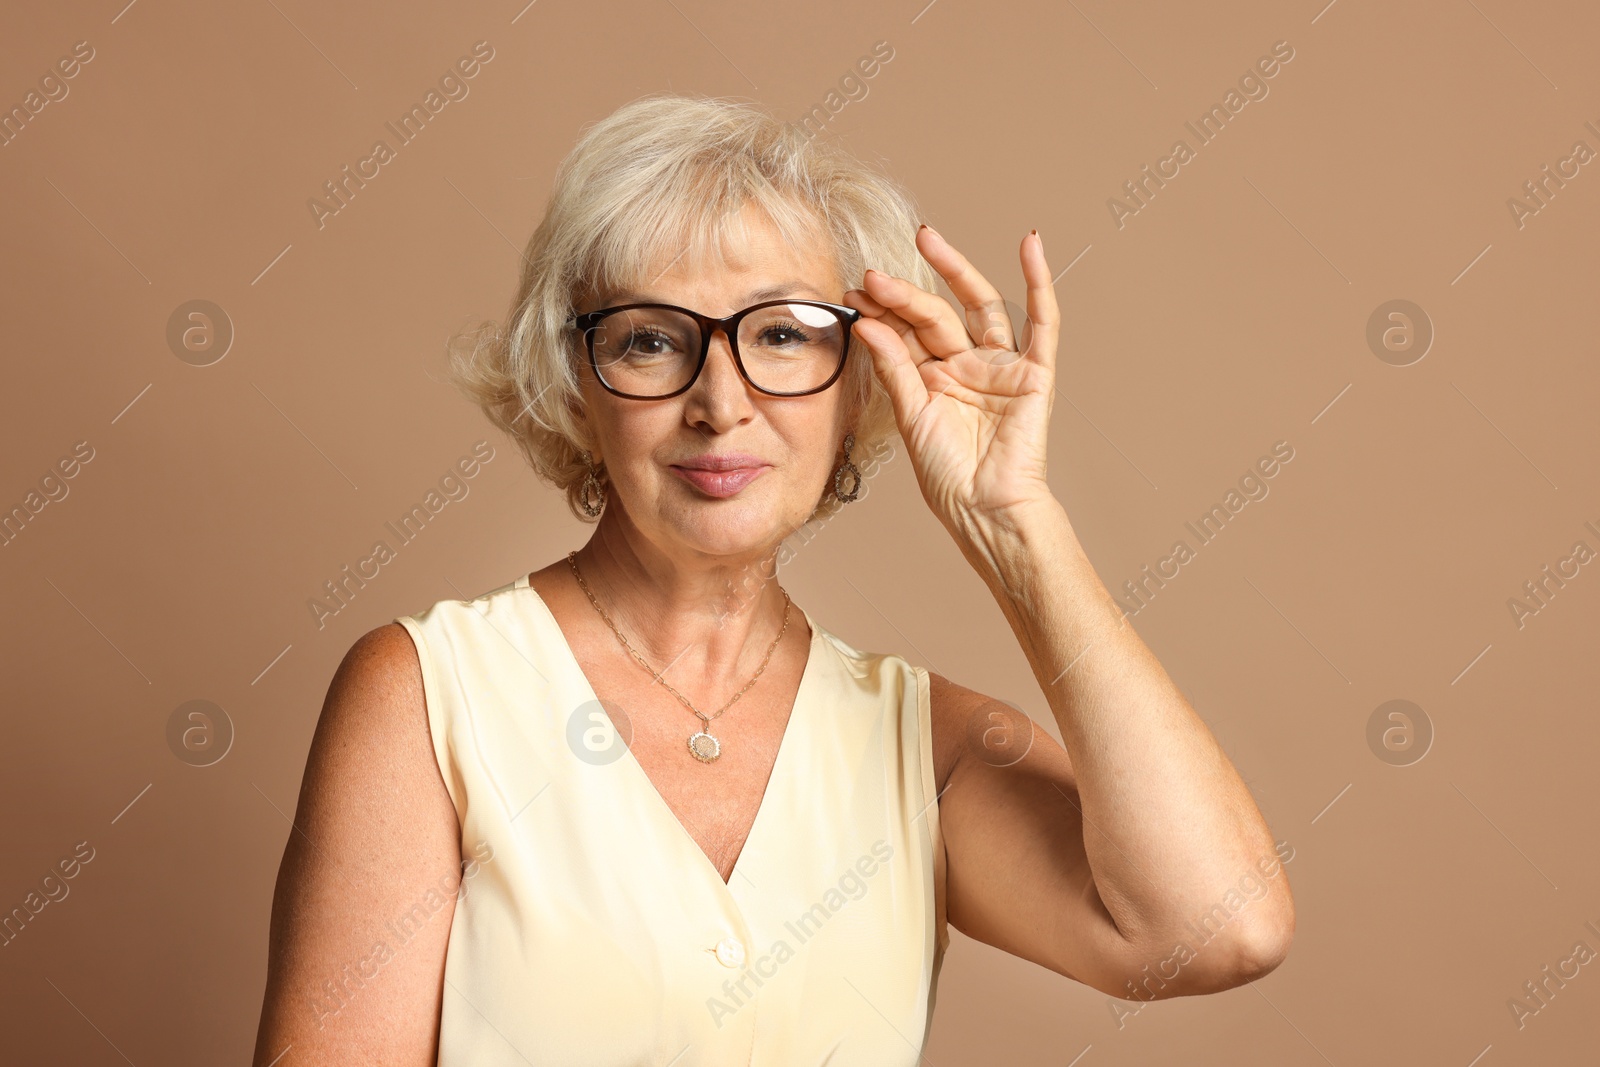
870,308
937,328
930,328
987,324
858,299
896,369
863,302
1043,312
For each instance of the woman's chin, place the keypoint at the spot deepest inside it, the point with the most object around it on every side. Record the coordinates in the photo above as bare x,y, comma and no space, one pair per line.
731,533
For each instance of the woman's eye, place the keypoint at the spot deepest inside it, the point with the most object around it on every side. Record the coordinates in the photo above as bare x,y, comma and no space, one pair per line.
640,343
779,335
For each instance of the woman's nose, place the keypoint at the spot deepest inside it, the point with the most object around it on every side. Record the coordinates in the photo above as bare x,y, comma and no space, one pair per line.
719,398
720,364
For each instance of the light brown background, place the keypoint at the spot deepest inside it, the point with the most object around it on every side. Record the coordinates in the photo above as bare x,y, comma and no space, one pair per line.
1225,316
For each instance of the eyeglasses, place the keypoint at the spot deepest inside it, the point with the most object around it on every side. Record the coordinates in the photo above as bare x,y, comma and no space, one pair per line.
653,351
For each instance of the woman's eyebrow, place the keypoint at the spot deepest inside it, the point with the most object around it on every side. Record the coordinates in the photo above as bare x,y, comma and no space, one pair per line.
769,292
772,292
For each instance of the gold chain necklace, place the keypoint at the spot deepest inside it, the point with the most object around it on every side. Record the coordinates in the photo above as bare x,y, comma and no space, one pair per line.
702,745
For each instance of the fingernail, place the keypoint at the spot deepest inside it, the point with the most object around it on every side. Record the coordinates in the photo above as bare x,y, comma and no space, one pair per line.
1036,234
933,231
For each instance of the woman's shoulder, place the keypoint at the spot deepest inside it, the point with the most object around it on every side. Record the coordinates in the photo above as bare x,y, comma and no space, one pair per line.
959,718
861,660
889,673
953,711
458,606
378,688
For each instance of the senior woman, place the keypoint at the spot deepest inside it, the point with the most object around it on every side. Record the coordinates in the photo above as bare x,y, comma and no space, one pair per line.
639,806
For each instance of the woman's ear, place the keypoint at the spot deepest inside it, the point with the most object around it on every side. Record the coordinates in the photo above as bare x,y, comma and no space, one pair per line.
850,418
584,437
585,442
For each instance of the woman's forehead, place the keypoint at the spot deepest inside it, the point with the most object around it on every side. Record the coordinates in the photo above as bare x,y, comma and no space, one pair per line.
735,283
731,288
743,252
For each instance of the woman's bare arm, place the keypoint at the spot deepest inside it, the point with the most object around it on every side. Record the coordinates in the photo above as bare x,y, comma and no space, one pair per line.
365,895
1101,857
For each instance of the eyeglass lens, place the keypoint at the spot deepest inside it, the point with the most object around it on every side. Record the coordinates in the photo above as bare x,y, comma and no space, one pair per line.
785,348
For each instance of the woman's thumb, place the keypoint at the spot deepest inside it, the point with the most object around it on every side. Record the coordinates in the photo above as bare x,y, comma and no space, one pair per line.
892,363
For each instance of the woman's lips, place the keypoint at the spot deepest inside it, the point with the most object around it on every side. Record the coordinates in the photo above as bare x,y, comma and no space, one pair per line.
720,483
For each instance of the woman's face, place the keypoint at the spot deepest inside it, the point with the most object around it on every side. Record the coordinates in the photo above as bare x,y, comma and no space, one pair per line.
790,442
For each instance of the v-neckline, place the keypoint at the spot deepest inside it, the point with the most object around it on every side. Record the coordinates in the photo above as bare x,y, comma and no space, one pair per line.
779,764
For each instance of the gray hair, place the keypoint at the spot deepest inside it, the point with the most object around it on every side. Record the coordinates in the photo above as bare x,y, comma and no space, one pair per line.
664,178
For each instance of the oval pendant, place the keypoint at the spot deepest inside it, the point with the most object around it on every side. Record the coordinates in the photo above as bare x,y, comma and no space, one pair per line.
704,747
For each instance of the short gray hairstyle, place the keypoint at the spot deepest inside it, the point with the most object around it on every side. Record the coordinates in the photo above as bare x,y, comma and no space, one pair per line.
662,178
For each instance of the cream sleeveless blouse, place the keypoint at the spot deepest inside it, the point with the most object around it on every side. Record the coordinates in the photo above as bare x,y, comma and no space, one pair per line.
592,929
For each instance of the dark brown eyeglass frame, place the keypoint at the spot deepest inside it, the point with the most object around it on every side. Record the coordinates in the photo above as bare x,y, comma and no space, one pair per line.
729,326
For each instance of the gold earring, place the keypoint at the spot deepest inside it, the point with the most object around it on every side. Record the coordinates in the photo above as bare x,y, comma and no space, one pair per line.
847,467
591,489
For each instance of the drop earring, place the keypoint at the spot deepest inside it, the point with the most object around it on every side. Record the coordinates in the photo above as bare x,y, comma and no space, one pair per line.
847,467
591,495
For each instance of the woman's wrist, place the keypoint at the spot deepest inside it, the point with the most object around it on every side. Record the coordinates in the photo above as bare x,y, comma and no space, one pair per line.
1008,547
1032,561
